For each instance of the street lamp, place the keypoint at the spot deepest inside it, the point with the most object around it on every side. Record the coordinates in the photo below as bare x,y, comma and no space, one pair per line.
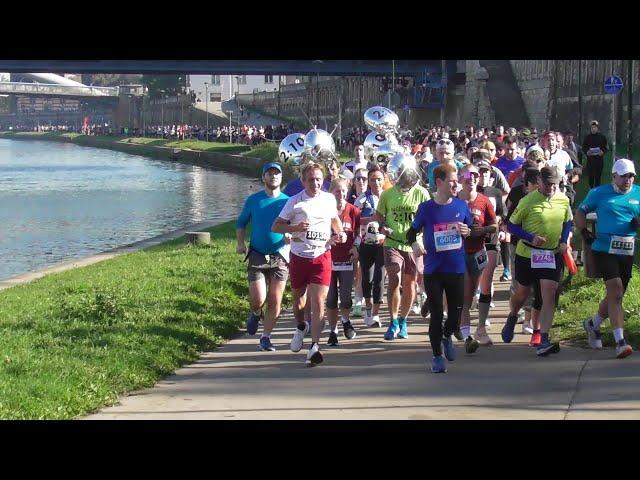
230,113
237,77
206,99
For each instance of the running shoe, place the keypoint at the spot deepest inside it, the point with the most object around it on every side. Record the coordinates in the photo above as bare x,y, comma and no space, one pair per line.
506,276
623,350
356,311
527,329
546,348
593,333
458,335
483,338
348,330
333,339
392,331
536,339
424,311
298,337
438,365
252,323
509,326
449,349
266,345
314,357
416,308
474,302
471,345
404,332
373,321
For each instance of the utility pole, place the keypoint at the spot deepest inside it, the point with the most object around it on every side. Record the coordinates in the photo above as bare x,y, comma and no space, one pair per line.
206,99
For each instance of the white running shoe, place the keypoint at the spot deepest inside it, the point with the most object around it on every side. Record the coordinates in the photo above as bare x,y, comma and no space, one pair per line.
373,321
527,328
416,308
474,302
298,337
314,357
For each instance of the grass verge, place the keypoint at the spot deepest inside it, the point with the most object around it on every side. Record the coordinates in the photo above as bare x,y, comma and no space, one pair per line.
72,342
581,301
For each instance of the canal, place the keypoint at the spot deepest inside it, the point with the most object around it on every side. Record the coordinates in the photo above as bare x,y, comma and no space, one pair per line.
61,201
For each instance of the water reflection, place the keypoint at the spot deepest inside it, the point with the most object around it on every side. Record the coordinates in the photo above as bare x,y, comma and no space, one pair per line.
63,201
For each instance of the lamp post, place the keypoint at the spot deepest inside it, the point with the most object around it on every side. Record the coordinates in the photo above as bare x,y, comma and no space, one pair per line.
230,113
206,99
317,92
237,77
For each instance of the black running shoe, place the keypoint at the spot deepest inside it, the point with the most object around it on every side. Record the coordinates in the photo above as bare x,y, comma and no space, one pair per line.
348,330
333,339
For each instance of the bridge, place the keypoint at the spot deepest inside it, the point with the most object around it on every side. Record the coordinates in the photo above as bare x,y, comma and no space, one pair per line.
52,89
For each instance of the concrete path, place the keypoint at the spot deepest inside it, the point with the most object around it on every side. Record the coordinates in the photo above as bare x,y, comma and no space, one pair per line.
369,379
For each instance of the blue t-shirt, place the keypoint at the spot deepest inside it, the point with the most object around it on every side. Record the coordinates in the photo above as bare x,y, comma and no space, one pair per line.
262,211
508,166
615,211
442,241
294,187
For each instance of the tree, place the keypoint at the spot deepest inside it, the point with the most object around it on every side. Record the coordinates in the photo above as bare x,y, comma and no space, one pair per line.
164,84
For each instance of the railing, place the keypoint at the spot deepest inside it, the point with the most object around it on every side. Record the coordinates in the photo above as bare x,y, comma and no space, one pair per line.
55,89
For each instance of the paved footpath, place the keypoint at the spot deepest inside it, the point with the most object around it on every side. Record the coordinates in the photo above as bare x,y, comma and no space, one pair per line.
369,379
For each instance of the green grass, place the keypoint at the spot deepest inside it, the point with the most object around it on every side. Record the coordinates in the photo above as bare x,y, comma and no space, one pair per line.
72,342
581,301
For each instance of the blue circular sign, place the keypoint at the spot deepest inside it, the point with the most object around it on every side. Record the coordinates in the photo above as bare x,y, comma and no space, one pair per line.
613,84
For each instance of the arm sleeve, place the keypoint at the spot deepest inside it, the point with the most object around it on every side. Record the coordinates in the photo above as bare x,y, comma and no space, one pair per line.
245,215
519,232
566,229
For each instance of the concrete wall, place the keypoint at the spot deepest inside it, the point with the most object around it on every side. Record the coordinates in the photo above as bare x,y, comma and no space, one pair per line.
534,78
476,105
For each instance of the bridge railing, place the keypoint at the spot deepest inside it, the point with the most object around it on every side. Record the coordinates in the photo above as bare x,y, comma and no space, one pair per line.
54,89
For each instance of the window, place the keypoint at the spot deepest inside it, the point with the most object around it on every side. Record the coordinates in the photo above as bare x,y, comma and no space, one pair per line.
268,79
215,79
242,79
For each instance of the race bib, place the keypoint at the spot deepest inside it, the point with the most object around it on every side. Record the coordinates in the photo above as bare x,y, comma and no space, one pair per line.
317,236
481,258
621,245
342,266
447,237
543,259
593,151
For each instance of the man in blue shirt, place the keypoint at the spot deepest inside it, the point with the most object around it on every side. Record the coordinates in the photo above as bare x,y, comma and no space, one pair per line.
510,161
617,206
268,252
446,221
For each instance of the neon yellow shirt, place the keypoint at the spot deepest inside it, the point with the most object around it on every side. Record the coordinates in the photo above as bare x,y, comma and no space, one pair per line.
399,209
541,216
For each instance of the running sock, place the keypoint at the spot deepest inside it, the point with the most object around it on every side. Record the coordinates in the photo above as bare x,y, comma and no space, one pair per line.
466,331
257,313
618,334
544,337
484,304
596,320
368,311
343,320
400,319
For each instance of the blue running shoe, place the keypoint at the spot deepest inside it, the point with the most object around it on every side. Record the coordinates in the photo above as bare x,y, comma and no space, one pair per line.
449,349
438,365
545,348
252,323
266,345
509,326
403,333
392,331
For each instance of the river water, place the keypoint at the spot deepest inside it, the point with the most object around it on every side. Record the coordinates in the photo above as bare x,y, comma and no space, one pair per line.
60,201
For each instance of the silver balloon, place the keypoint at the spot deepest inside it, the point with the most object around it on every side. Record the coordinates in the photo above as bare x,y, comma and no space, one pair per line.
403,171
387,151
291,149
319,145
381,120
376,140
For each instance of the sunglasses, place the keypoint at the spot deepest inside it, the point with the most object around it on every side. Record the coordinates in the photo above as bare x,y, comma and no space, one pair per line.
468,175
628,175
444,142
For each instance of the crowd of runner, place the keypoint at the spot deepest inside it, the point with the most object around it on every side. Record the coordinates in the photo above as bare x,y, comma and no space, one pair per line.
485,197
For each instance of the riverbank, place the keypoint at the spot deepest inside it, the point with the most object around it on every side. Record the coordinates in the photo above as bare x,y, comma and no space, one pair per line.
75,341
221,156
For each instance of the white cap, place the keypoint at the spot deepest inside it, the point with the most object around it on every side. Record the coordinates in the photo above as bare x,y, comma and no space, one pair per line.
446,145
533,147
624,166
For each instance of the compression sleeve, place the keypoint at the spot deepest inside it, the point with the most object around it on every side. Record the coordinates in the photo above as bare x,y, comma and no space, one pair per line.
566,229
520,232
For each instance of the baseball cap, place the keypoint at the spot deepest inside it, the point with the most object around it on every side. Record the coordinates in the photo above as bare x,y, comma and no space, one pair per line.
526,132
623,166
550,175
595,122
271,165
472,144
445,144
482,164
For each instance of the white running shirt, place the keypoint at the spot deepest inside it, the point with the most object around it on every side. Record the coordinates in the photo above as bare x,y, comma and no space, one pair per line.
318,211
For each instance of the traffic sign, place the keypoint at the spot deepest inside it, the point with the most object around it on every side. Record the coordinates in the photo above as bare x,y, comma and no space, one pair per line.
613,84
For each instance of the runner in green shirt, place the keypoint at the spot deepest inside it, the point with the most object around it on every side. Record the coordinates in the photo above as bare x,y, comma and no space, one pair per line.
395,212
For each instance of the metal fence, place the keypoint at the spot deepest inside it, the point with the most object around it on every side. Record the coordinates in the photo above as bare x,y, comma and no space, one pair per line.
55,89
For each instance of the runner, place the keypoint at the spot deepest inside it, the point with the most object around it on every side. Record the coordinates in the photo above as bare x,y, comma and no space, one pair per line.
310,217
445,220
543,222
444,154
343,257
360,184
358,162
485,224
371,254
394,213
618,208
268,253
